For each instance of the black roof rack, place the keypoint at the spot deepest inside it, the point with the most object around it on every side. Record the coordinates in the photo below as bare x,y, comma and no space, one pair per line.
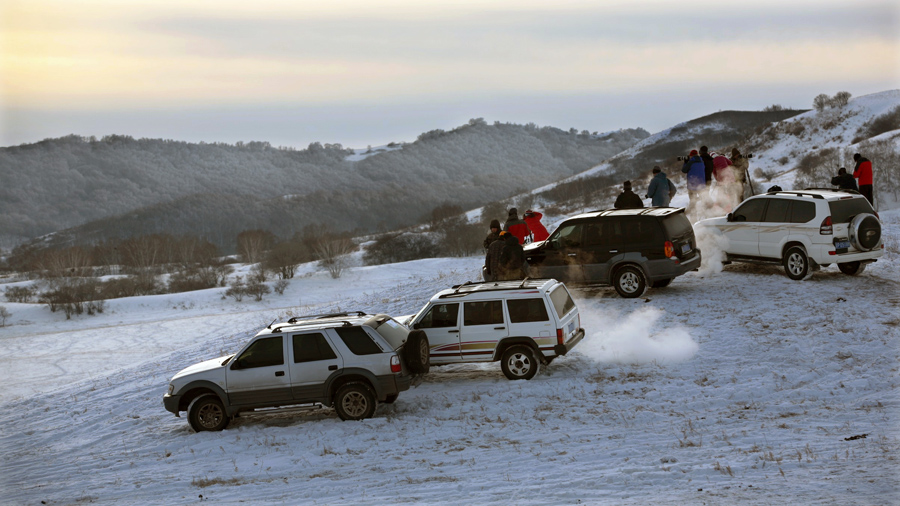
836,190
295,319
797,193
490,286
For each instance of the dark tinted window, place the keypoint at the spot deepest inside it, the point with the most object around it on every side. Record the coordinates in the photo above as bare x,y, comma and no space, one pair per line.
677,225
311,347
263,353
593,234
562,301
842,211
751,210
440,315
779,210
802,212
488,312
358,341
567,236
527,310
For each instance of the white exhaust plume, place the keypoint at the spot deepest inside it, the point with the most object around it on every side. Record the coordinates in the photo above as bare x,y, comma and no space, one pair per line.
637,338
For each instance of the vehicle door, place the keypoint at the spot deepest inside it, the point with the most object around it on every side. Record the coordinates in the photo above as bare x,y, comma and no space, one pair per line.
484,325
775,227
563,254
743,229
313,360
441,325
259,374
600,245
530,318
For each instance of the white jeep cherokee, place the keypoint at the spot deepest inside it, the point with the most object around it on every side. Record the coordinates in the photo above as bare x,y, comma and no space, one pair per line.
350,361
803,230
520,323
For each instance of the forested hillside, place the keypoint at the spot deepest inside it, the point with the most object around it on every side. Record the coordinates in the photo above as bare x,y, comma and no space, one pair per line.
121,186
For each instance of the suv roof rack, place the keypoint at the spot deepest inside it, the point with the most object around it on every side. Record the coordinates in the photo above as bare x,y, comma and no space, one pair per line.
836,190
296,319
797,193
490,286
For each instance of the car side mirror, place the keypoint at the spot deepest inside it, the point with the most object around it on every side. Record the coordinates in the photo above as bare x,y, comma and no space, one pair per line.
730,217
416,325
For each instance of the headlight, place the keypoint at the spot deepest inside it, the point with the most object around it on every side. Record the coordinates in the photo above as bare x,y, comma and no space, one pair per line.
171,388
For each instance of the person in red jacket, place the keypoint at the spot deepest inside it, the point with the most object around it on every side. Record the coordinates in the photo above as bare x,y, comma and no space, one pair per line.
538,230
863,172
516,226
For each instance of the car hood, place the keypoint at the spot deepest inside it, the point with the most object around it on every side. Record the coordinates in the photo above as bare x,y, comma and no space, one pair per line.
533,246
208,365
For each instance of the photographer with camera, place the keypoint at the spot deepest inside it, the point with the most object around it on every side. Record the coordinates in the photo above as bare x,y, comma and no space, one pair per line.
742,172
696,177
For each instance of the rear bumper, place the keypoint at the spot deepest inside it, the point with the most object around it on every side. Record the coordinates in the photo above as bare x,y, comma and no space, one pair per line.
820,254
562,349
668,268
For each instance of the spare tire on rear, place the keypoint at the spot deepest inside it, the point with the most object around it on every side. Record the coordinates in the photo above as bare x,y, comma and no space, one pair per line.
865,232
416,352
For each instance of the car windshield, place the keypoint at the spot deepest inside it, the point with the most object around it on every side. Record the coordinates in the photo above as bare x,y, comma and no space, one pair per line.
842,211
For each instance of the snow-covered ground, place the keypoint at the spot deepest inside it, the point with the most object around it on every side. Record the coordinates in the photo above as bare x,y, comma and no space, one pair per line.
734,386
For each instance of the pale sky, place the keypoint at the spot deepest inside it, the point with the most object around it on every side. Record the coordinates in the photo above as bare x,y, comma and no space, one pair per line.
370,72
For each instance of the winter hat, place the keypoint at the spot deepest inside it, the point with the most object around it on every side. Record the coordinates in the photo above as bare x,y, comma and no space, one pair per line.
627,185
693,152
513,212
495,224
842,170
504,233
856,157
529,213
704,149
656,169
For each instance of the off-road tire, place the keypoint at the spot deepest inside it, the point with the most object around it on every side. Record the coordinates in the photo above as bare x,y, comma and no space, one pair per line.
416,352
519,362
852,268
207,413
354,401
629,282
865,232
797,264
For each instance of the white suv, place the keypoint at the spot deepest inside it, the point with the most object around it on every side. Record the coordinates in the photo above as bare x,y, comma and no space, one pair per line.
350,361
520,323
803,230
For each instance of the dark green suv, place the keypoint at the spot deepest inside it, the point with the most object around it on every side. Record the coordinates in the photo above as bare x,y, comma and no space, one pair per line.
626,248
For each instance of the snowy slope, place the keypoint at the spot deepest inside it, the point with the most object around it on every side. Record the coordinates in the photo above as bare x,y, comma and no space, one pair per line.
735,386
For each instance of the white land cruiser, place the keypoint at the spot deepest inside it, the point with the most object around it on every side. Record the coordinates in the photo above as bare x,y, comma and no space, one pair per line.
520,323
350,361
803,230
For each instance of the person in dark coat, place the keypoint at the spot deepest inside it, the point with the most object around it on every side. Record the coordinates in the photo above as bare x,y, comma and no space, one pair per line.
538,230
628,199
516,226
658,191
696,182
708,164
512,259
844,181
493,235
492,269
863,172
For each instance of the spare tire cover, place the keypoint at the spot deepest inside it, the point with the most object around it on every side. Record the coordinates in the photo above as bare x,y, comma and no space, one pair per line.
865,231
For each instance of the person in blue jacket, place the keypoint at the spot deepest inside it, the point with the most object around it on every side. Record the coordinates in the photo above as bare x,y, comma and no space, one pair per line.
696,177
658,191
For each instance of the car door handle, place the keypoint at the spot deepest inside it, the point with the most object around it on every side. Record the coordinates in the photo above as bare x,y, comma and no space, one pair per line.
499,328
571,254
279,373
452,331
613,251
332,368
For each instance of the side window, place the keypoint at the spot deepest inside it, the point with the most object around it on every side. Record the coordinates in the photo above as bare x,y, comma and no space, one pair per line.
593,234
751,210
802,212
311,347
527,310
440,315
640,230
568,236
778,211
358,341
562,301
483,313
262,353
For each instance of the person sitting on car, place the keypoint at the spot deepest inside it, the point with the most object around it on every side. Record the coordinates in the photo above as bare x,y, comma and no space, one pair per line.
844,181
628,199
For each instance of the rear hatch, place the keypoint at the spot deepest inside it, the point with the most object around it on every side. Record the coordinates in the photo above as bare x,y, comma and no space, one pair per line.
842,213
681,233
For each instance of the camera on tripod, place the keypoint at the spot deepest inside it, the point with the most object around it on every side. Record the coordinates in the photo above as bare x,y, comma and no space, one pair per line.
683,158
750,155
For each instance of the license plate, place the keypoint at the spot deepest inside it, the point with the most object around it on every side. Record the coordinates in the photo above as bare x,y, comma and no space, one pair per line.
686,247
842,245
571,328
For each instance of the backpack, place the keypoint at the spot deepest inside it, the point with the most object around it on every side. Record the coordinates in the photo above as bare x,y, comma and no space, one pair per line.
672,189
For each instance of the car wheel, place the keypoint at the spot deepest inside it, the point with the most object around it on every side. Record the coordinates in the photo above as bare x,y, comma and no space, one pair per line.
796,264
416,352
207,413
519,362
662,283
354,401
852,268
629,282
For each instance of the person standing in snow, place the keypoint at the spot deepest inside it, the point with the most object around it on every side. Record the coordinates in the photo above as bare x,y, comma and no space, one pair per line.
628,199
844,181
493,271
708,166
696,179
493,235
658,191
512,259
517,227
863,172
731,190
538,230
741,168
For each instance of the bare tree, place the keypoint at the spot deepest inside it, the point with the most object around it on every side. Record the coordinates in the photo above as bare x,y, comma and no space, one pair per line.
332,254
821,102
251,244
841,98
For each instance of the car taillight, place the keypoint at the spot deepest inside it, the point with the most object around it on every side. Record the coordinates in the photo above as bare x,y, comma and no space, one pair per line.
670,249
560,338
395,364
825,228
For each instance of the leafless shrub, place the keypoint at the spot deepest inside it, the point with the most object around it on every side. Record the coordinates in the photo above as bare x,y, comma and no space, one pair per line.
257,290
237,289
4,315
280,285
332,254
19,293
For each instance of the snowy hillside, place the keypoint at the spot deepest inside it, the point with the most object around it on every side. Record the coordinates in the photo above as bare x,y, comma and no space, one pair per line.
734,386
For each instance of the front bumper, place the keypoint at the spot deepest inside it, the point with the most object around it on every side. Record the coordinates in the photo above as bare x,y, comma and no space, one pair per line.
562,349
171,403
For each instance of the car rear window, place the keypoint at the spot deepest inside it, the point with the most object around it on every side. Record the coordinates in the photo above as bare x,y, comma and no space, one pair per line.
842,211
358,341
677,225
527,310
562,301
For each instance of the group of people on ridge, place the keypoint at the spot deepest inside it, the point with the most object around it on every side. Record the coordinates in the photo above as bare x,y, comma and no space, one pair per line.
660,192
505,258
731,175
